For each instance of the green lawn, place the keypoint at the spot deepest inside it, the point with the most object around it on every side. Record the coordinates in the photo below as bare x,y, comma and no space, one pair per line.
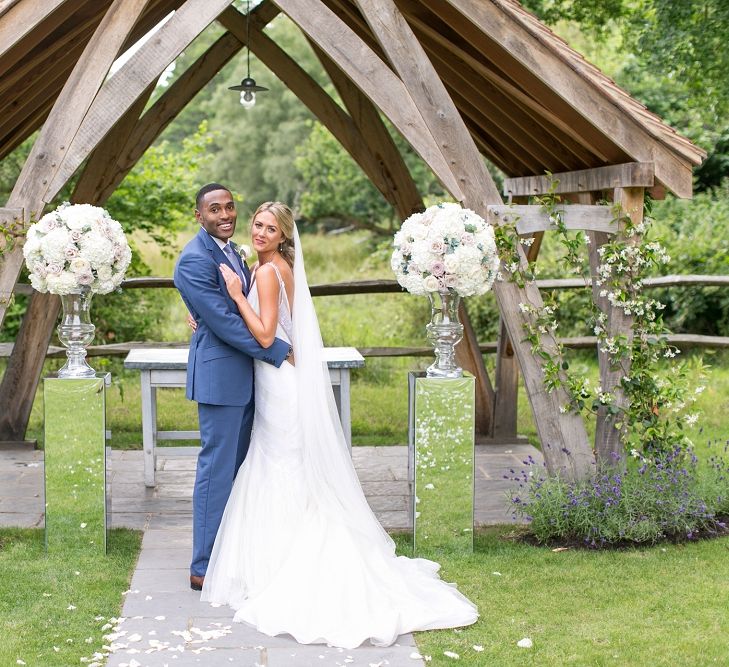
666,605
53,607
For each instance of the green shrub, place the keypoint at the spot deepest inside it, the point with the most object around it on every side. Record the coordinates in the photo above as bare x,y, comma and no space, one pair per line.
645,502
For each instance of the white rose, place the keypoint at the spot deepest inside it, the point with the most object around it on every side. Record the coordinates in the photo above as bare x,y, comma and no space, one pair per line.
86,279
79,216
103,272
451,263
48,222
79,265
105,287
32,245
431,284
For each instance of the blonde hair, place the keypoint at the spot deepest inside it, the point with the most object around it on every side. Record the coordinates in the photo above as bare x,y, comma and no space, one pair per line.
285,219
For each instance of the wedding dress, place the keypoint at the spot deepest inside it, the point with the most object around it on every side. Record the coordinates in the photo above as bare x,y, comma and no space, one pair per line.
298,550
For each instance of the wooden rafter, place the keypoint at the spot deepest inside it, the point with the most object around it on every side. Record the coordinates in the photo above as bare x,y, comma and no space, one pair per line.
31,188
373,78
539,68
405,196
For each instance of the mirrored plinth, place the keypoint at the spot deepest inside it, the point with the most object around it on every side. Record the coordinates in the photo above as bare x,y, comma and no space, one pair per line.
441,461
76,491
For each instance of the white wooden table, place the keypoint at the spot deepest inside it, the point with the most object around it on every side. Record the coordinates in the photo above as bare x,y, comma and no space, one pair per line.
165,367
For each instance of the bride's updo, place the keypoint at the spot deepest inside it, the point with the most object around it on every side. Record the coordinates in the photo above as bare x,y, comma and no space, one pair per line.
285,219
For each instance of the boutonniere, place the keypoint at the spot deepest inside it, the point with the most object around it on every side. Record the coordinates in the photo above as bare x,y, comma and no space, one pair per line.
244,251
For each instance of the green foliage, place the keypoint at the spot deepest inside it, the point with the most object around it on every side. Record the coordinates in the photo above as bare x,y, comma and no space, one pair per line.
696,236
678,46
336,188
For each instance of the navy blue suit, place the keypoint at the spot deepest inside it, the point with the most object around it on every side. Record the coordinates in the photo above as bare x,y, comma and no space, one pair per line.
220,379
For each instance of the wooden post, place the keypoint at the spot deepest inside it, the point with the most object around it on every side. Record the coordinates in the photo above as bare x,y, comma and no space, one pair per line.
608,438
566,449
507,372
22,374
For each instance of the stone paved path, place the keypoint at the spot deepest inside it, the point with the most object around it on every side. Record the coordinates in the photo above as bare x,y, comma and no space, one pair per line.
163,616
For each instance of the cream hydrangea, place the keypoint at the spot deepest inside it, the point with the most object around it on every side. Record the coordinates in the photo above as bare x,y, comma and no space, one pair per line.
444,248
76,247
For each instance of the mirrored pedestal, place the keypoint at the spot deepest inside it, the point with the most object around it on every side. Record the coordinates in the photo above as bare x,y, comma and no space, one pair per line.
441,461
76,492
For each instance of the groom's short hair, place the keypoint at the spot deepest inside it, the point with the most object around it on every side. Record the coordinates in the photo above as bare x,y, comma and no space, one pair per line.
210,187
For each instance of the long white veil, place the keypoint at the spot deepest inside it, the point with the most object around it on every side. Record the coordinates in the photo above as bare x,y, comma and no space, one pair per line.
328,464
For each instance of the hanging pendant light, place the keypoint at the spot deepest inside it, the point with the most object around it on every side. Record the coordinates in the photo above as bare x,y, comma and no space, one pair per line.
248,87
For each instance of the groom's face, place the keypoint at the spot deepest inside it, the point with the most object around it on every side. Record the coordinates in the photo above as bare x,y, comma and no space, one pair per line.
217,214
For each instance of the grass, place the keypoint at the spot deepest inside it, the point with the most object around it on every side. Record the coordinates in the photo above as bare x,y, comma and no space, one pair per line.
660,606
60,600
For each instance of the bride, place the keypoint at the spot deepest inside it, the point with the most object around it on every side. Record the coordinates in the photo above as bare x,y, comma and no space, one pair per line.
298,550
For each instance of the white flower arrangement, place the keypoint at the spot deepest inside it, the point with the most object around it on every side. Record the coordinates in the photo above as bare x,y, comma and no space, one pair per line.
447,247
76,247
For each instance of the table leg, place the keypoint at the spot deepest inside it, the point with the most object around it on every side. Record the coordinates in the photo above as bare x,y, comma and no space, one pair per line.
149,427
344,407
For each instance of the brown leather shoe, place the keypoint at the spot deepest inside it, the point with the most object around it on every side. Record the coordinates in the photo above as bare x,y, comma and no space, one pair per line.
196,583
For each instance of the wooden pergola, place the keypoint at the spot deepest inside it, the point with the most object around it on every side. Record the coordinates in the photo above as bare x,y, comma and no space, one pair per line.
461,80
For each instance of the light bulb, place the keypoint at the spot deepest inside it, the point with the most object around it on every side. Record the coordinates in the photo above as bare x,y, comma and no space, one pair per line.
247,99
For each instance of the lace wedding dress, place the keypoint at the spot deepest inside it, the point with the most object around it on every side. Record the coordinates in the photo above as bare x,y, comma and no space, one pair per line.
298,550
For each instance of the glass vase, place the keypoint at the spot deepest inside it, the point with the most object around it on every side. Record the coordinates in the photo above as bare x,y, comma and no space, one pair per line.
444,332
75,332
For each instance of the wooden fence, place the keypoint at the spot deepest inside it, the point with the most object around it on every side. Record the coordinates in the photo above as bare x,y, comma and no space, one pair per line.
683,341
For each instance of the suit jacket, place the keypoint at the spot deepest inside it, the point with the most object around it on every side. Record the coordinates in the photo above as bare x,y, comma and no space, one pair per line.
222,349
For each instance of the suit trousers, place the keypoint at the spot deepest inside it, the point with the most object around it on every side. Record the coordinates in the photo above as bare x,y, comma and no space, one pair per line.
225,433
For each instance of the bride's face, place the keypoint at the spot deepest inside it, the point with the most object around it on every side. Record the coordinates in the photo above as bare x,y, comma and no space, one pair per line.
266,234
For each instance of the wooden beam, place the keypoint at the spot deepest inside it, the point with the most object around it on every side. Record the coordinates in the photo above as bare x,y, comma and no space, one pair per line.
103,163
507,370
390,163
26,24
498,22
628,175
373,78
490,93
446,125
560,434
608,438
132,78
31,188
530,218
422,81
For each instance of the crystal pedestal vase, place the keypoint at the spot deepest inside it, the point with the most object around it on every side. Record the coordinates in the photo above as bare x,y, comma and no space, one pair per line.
75,332
444,332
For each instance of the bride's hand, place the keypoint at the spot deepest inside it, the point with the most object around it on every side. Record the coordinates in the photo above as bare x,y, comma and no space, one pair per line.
232,281
191,322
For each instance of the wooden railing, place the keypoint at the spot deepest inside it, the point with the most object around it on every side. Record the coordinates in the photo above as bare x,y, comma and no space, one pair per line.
683,341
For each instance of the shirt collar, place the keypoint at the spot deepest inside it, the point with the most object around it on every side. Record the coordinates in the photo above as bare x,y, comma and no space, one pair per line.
220,244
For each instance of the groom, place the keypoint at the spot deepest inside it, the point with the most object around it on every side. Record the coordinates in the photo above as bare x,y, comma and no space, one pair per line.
219,367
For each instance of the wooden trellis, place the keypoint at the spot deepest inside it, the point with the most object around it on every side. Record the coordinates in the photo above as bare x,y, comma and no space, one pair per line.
461,80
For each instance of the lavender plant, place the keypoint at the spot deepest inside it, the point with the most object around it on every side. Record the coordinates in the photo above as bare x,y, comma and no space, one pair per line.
644,502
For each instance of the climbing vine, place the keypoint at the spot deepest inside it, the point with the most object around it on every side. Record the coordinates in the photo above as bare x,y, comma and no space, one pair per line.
651,401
